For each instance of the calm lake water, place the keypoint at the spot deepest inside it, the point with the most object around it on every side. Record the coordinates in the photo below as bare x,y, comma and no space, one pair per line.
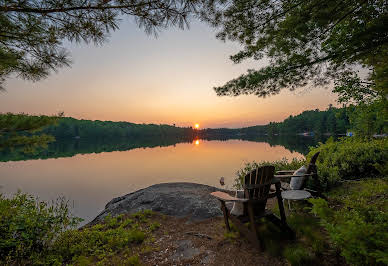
90,180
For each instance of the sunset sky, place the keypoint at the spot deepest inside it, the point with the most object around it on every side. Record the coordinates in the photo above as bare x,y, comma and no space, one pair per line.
142,79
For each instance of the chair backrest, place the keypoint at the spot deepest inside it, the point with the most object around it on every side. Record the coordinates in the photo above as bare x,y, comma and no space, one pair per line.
257,183
312,169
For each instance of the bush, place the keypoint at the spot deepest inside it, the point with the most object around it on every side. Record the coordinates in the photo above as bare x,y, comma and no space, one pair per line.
35,233
358,225
351,158
282,164
29,227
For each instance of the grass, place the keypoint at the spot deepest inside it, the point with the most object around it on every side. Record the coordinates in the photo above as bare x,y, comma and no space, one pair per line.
116,238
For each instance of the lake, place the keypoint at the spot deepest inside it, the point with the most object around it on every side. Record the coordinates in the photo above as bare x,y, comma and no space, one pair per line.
91,173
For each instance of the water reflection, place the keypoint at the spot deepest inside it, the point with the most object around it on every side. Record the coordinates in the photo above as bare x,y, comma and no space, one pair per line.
91,180
71,147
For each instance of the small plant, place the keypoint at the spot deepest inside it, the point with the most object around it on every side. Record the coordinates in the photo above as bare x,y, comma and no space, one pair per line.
231,235
154,226
298,255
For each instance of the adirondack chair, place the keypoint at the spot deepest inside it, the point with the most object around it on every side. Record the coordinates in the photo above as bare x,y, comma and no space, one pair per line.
256,192
311,172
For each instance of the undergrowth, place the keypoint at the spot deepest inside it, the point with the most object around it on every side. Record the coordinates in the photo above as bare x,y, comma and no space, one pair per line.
34,232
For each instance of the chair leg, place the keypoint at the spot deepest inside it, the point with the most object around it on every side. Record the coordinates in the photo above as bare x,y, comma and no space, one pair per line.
280,203
225,211
257,239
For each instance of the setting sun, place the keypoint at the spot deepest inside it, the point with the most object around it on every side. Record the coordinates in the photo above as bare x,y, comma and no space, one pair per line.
197,142
196,126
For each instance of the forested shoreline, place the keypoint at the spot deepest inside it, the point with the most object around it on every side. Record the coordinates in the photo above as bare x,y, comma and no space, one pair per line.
332,121
70,136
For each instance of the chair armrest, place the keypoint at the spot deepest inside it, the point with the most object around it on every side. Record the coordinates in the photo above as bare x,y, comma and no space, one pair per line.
226,197
285,172
288,176
310,190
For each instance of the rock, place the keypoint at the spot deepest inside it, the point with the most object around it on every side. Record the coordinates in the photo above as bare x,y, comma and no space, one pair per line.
176,199
210,256
185,250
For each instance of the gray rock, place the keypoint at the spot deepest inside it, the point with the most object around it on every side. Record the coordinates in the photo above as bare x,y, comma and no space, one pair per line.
176,199
185,250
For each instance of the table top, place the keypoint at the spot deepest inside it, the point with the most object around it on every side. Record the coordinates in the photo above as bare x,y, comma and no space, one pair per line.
296,194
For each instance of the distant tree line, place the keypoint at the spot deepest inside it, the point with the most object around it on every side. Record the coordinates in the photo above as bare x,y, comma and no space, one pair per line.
362,119
68,127
332,121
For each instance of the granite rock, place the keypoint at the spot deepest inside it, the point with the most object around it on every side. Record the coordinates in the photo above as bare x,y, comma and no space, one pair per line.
189,200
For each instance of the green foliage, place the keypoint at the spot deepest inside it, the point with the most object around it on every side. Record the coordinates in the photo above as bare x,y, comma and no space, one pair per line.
99,242
305,42
358,224
351,158
68,127
331,121
33,232
352,90
154,226
33,32
283,164
298,255
309,245
28,228
16,131
116,236
369,119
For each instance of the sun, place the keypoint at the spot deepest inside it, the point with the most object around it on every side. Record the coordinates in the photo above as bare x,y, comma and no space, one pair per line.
196,125
196,142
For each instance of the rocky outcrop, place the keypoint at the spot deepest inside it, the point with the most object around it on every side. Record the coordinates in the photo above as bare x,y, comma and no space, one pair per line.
176,199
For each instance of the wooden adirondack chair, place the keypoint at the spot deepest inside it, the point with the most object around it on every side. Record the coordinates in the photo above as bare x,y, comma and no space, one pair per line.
257,191
311,172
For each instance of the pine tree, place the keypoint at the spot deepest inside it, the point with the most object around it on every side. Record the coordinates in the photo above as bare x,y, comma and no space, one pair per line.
32,32
307,43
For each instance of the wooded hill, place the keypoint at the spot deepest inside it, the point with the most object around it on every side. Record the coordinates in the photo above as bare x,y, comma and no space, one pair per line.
364,120
333,121
68,127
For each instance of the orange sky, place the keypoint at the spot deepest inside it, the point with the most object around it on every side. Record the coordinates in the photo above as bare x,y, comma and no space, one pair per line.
169,79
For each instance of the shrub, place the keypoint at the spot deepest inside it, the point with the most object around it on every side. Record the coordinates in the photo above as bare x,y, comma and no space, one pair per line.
359,226
95,242
29,227
351,158
283,164
35,233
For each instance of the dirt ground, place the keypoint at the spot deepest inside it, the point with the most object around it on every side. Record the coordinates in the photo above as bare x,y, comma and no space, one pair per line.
178,242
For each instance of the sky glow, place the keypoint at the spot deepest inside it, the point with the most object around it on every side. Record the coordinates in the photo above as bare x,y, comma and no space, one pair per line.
169,80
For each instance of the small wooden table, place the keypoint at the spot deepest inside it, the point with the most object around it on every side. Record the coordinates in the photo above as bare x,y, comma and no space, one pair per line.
295,195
